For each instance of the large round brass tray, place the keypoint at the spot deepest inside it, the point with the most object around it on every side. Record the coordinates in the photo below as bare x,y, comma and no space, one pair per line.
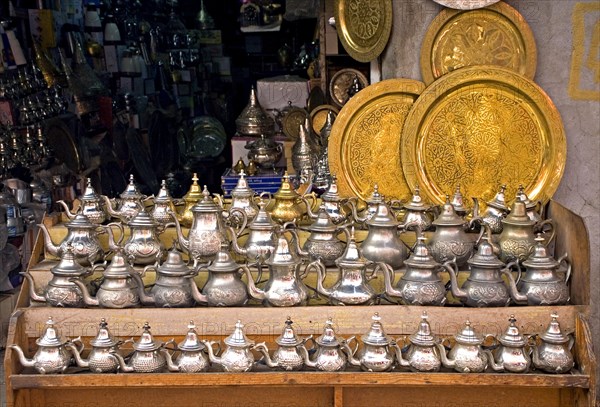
495,35
364,144
480,127
363,27
465,4
341,82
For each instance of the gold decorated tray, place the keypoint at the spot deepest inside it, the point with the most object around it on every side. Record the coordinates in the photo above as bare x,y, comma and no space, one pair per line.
341,82
495,35
291,121
363,27
466,4
480,127
319,115
364,145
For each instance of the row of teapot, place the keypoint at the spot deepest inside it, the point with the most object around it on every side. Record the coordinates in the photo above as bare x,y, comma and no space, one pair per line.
421,351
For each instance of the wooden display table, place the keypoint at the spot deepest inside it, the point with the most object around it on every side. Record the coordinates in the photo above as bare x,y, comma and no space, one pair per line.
265,387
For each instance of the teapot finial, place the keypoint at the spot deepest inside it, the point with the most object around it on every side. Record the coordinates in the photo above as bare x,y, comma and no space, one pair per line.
195,178
376,317
512,319
539,238
191,325
103,323
424,316
131,179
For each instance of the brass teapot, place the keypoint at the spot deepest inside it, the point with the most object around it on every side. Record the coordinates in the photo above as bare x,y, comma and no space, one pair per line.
331,353
553,354
377,353
467,354
52,356
148,356
495,211
130,203
287,356
100,358
90,203
192,357
288,205
237,356
422,353
450,240
118,289
512,355
185,216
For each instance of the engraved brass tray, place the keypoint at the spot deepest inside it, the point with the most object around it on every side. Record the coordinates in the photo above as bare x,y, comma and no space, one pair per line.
480,127
363,27
364,144
466,4
319,115
340,84
291,121
495,35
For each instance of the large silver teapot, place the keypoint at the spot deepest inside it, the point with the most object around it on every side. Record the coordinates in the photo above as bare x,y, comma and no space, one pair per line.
192,354
467,354
100,358
513,354
450,240
148,356
262,236
90,204
553,354
331,353
422,353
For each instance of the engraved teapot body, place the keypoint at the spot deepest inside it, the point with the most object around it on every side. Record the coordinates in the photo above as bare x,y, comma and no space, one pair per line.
417,213
450,241
237,356
512,355
192,357
163,206
143,245
148,356
376,354
100,358
422,354
323,242
331,353
467,355
262,238
495,211
553,354
131,201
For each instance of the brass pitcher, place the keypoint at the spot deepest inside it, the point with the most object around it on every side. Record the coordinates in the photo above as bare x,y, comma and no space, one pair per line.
553,354
90,203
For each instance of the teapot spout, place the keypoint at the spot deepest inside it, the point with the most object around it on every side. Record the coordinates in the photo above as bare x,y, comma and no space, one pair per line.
25,362
68,212
449,363
498,367
32,294
78,359
48,244
398,351
242,251
253,290
87,298
516,296
321,275
144,297
307,362
183,242
172,366
262,348
196,294
122,364
214,359
109,207
457,292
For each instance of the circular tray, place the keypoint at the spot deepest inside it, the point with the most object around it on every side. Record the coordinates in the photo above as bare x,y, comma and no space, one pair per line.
341,82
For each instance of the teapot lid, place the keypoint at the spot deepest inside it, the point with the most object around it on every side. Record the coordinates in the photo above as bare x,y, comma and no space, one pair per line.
383,216
142,219
146,343
282,255
323,222
67,263
131,192
50,337
174,264
423,336
420,257
206,204
540,257
468,336
512,337
163,195
328,337
80,221
529,204
223,261
416,203
485,257
352,256
518,214
242,189
238,338
119,266
263,219
375,197
448,217
103,338
194,193
288,336
458,202
499,200
553,333
376,334
286,190
332,194
191,343
89,193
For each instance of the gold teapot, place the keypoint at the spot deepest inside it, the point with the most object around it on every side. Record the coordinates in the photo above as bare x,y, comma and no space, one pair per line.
288,205
194,194
90,203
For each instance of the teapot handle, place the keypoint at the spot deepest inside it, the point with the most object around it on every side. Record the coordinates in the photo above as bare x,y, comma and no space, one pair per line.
170,341
267,194
564,259
495,341
306,340
313,198
241,227
313,265
347,342
119,226
540,227
519,271
163,227
80,342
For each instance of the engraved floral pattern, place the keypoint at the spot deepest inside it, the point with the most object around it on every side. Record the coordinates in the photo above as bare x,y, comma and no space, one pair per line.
365,17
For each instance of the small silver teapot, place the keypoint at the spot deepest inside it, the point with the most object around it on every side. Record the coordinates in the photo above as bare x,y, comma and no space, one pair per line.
377,354
458,203
535,209
164,204
541,284
450,240
372,204
512,355
332,352
118,289
420,284
553,354
417,213
148,356
192,357
422,354
130,203
90,203
467,354
243,199
52,356
288,356
237,356
495,211
336,207
100,358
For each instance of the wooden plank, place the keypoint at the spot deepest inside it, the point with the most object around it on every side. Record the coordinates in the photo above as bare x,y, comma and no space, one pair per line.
586,361
293,379
338,396
572,238
16,334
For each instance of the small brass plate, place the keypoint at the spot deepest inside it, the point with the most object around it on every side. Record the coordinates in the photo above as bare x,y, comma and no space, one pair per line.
291,122
319,115
341,82
480,127
496,35
364,144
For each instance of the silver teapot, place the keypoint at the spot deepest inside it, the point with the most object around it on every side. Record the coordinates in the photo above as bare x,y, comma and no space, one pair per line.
82,235
90,204
512,355
100,358
164,204
417,213
450,240
422,353
553,354
237,356
372,204
207,232
172,286
192,354
467,354
331,353
118,289
535,209
377,354
323,242
420,284
130,203
518,233
352,287
148,356
262,236
336,207
52,356
243,199
495,211
264,152
287,356
458,203
284,287
61,291
484,286
224,286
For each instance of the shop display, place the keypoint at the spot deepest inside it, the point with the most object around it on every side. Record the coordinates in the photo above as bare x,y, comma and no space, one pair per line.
90,205
495,35
417,214
264,152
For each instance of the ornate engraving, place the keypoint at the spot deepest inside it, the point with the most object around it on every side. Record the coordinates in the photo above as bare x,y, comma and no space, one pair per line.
228,297
118,299
365,17
174,297
415,293
511,249
444,251
485,295
547,293
327,251
65,297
